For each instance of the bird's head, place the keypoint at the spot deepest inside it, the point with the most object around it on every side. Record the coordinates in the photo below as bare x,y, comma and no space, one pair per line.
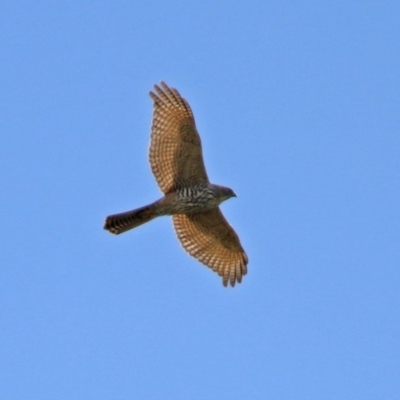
224,193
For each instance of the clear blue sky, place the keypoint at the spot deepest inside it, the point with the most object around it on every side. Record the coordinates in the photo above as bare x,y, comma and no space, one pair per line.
298,106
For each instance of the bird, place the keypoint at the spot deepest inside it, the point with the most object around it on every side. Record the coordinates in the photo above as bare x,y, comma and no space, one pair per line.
176,160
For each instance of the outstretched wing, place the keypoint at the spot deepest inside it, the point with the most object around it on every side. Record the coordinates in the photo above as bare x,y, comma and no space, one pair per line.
175,153
208,237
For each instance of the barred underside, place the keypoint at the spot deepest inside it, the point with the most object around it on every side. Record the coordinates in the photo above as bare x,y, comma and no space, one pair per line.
209,238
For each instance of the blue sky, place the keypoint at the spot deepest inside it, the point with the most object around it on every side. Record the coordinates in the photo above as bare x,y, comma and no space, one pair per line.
297,104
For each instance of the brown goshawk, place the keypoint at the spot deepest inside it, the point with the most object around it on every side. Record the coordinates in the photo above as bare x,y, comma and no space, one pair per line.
177,163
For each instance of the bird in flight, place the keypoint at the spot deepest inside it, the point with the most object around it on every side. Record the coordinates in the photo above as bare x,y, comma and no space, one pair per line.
176,160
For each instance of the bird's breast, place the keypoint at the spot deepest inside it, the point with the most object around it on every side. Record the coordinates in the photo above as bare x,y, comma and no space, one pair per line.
195,199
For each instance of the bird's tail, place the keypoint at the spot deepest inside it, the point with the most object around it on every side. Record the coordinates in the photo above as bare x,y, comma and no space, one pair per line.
119,223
